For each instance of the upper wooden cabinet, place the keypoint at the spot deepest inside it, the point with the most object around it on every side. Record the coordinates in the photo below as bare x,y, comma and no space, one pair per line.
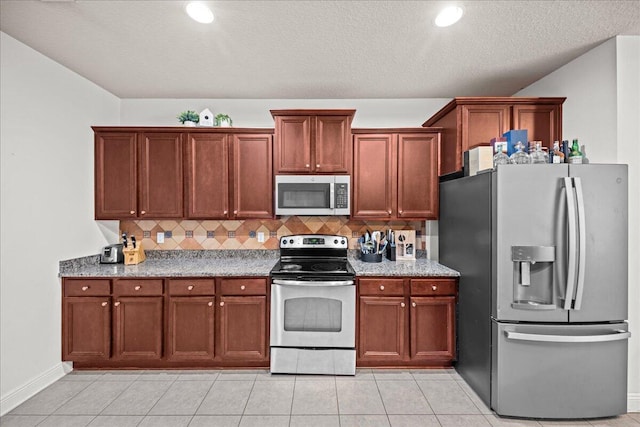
395,173
229,175
468,122
312,141
138,174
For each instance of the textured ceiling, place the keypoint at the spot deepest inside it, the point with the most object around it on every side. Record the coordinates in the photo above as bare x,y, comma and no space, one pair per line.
314,49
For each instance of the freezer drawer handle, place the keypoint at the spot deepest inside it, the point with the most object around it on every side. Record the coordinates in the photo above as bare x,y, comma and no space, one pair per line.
616,336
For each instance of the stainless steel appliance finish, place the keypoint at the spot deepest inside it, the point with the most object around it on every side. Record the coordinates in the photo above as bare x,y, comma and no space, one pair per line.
313,307
313,195
112,254
542,253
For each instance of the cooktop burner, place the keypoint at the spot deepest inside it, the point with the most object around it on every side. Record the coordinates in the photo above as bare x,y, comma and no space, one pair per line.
291,267
312,266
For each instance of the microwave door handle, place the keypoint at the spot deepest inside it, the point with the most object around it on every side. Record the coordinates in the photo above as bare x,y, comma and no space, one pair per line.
332,193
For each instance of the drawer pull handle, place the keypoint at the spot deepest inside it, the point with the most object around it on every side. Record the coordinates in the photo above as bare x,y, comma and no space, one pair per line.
132,212
104,304
117,304
382,287
190,287
434,288
413,304
85,288
137,288
221,303
402,304
210,303
143,212
243,287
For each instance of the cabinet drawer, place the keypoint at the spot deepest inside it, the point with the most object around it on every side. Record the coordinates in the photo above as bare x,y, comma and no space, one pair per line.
381,287
244,287
433,287
192,287
83,287
135,287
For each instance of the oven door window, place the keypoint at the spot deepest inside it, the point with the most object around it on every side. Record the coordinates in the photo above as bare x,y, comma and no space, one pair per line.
312,315
310,195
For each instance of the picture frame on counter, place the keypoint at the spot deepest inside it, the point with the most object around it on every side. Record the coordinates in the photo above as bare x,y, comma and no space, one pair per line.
405,245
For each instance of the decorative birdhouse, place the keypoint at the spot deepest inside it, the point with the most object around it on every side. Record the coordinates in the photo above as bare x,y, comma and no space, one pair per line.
206,117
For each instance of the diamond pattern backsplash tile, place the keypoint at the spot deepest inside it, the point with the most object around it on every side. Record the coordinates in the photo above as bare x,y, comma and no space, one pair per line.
208,234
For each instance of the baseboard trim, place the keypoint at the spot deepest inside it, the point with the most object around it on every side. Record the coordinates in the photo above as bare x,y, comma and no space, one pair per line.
633,402
39,383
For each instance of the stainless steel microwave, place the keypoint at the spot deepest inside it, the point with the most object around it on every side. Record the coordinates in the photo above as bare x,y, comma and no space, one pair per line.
313,195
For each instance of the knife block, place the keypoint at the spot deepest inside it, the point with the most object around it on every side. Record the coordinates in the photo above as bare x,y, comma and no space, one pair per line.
133,255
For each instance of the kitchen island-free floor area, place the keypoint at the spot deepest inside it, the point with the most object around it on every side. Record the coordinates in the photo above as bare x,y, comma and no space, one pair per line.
397,398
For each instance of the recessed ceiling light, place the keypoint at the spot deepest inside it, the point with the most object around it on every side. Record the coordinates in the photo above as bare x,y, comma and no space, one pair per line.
199,12
449,16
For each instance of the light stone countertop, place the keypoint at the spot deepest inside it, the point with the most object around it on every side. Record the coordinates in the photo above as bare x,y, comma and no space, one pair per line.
192,263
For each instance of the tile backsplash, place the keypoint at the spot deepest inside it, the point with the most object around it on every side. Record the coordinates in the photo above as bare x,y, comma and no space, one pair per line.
243,234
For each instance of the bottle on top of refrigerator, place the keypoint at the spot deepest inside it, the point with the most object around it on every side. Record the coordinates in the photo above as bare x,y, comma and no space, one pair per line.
558,155
520,157
537,155
575,155
500,158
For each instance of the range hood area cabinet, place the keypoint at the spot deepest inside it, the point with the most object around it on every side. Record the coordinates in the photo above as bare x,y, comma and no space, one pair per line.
395,173
469,122
229,176
138,174
201,173
312,141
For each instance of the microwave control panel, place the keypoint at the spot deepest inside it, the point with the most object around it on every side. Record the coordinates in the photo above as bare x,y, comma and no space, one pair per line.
342,196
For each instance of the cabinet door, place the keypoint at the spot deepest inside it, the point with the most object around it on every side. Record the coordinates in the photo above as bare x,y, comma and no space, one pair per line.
138,327
332,144
418,176
86,331
160,172
252,176
191,328
293,144
480,123
381,335
207,175
543,122
115,175
243,327
433,328
374,166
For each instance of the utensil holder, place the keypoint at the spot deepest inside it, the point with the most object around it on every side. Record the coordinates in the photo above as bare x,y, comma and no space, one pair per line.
371,257
391,253
133,255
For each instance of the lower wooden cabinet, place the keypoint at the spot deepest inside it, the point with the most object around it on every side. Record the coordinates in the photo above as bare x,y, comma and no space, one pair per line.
406,322
86,331
191,332
137,328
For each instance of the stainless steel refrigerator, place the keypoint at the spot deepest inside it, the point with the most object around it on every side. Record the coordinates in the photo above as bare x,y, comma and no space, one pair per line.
542,253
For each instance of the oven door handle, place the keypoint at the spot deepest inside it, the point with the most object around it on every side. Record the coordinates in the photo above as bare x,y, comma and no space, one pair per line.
312,283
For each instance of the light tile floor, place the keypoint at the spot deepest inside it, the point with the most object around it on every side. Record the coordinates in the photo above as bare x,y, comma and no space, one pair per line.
425,398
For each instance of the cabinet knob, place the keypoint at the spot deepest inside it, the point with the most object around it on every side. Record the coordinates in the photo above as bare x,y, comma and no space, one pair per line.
210,303
138,287
243,287
307,165
402,304
318,165
413,304
225,212
116,303
434,288
85,288
190,287
389,211
143,212
104,304
382,287
132,212
399,211
221,303
235,212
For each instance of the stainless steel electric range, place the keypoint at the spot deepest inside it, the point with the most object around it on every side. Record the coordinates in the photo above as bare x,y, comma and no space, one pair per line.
313,307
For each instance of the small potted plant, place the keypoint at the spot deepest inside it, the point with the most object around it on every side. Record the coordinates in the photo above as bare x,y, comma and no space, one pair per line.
188,118
223,120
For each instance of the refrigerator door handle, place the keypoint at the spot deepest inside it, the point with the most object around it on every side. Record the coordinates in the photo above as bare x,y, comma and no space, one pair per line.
617,335
582,243
571,268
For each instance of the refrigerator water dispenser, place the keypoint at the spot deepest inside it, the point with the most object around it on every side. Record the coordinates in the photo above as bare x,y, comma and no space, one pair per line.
533,277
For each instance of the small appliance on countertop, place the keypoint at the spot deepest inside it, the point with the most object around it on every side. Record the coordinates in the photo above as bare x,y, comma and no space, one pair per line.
112,254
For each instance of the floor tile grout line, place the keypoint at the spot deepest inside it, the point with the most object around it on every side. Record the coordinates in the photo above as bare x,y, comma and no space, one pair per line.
248,398
160,398
427,400
381,399
203,398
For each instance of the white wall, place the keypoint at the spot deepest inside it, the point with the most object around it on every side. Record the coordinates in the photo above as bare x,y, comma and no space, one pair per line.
602,110
46,206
